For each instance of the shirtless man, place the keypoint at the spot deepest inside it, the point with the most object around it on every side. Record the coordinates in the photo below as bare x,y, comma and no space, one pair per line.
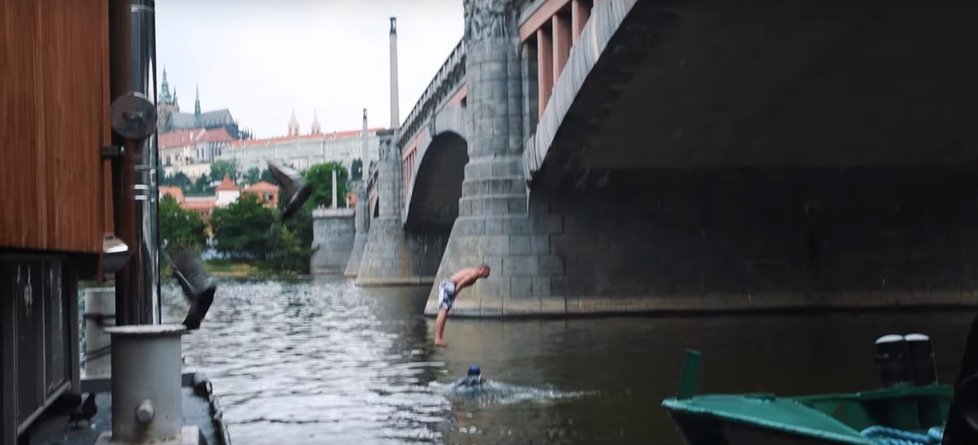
447,291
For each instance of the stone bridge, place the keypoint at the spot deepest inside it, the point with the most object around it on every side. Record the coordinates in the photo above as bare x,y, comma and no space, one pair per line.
640,155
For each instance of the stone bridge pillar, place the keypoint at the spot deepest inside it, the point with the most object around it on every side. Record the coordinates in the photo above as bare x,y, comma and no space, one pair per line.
392,256
494,225
361,218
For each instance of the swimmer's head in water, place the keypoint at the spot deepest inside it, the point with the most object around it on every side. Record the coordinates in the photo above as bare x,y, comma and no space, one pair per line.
474,370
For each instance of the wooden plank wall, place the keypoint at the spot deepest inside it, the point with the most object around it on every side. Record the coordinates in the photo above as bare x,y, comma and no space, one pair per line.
54,103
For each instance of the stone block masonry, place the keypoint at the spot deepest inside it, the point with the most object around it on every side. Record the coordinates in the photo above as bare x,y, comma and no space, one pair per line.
394,257
361,223
391,255
727,240
333,234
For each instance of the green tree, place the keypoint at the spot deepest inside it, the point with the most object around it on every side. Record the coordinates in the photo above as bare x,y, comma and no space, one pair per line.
286,252
241,229
180,227
356,170
252,176
320,178
220,169
202,186
266,175
177,179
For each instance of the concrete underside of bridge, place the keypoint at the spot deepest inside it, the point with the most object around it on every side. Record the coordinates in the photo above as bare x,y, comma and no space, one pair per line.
750,155
807,83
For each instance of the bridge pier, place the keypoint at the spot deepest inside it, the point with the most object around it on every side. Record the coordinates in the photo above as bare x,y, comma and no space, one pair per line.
361,218
333,239
495,225
392,256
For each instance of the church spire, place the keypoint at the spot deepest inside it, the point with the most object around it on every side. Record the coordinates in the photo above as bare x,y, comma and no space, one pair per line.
315,123
176,104
293,124
197,102
165,90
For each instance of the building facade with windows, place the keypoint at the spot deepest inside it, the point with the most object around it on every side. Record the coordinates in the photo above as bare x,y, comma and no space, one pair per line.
302,151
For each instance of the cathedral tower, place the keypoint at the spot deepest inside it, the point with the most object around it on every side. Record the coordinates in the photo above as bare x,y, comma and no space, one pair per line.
293,125
316,129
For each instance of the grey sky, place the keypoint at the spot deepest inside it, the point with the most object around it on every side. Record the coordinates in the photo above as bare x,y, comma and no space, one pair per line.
261,58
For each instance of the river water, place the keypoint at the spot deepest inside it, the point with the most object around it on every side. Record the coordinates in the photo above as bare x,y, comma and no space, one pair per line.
322,361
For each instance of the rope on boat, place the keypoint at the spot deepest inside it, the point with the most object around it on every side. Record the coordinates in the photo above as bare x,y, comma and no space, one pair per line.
882,435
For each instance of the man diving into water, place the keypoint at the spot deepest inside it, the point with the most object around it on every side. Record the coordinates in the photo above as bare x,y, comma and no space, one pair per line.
447,291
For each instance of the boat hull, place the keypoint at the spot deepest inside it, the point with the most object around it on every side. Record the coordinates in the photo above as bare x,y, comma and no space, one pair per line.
705,430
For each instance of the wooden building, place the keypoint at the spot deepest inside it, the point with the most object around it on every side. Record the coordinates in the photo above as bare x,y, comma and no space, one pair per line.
56,193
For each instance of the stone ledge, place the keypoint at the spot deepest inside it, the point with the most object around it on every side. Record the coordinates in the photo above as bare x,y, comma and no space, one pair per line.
332,213
560,307
407,281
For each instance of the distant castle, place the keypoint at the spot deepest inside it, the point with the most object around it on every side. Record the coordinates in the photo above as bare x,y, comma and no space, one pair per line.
171,119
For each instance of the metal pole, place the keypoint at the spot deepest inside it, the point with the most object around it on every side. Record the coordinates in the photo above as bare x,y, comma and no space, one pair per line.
146,289
133,70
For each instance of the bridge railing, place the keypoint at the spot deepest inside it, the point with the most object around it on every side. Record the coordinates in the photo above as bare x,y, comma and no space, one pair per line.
449,77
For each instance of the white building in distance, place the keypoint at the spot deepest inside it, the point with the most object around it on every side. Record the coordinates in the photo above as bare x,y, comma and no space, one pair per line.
301,151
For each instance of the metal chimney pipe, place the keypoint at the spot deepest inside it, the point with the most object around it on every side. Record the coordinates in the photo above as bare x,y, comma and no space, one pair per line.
395,114
133,68
147,289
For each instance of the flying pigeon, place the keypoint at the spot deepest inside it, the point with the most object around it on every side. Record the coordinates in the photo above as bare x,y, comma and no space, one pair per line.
196,283
296,191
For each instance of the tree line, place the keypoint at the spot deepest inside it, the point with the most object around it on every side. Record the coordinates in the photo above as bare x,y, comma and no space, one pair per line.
248,232
204,184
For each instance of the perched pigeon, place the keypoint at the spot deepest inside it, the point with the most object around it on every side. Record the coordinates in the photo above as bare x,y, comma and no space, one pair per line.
196,283
83,412
295,190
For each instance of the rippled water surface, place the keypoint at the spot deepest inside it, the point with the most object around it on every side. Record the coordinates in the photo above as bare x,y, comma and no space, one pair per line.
322,361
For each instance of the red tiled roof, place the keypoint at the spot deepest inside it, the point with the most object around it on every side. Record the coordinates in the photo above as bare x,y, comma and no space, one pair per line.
226,185
329,136
215,135
190,137
175,192
177,138
262,186
199,203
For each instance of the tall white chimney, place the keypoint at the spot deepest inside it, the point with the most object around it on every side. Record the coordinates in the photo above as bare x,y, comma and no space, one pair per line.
364,149
395,114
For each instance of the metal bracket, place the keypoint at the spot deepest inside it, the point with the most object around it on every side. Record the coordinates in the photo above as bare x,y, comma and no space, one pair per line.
113,151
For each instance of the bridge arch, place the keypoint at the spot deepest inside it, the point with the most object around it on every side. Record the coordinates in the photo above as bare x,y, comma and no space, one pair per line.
434,192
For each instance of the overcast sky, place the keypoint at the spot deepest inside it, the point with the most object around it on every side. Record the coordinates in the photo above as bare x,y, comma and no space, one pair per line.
261,58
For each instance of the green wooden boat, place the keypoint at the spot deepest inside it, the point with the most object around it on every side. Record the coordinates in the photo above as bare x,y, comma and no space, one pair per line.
895,415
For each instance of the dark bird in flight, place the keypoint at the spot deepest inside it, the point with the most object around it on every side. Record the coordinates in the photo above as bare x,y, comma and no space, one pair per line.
196,283
296,191
83,412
